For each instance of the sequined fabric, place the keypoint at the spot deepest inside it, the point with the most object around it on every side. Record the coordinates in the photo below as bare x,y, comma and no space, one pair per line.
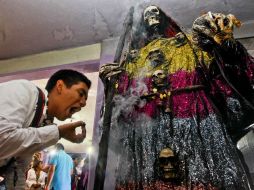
209,155
174,61
160,185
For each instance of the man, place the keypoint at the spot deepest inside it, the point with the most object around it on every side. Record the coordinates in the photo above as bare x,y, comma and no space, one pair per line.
24,109
60,170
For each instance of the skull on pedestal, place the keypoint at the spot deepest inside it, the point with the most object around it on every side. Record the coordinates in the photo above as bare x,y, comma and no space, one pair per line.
159,78
168,165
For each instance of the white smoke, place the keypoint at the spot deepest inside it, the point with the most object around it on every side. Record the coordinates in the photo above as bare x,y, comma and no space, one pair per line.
126,104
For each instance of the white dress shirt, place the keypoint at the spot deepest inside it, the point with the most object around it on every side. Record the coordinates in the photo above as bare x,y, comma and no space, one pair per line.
18,101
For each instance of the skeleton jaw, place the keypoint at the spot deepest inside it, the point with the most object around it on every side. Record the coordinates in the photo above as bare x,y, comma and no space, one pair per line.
153,21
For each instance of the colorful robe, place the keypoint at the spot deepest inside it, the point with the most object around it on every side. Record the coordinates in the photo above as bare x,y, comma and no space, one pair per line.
191,114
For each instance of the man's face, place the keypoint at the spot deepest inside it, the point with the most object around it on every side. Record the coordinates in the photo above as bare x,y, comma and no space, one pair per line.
70,100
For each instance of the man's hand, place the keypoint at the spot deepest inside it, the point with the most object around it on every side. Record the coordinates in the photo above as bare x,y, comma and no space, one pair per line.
67,131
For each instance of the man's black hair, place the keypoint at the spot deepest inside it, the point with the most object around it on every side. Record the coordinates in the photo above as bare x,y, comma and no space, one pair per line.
59,146
70,77
76,156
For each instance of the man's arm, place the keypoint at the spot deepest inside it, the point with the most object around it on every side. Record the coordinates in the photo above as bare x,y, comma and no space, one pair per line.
18,102
51,172
24,141
45,168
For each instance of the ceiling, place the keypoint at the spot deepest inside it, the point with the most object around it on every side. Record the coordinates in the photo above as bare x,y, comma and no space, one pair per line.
35,26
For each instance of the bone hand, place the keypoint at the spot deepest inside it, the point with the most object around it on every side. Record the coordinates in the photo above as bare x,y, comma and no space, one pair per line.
110,69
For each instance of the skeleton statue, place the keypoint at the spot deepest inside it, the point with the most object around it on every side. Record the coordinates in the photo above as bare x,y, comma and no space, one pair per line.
185,93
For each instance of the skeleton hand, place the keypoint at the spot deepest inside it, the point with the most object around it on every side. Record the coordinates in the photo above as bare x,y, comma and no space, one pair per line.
108,70
217,26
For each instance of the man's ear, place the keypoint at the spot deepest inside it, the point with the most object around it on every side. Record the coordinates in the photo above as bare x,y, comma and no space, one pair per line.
59,86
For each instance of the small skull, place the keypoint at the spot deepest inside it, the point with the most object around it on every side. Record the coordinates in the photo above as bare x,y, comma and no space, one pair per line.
133,55
156,57
152,15
159,78
168,164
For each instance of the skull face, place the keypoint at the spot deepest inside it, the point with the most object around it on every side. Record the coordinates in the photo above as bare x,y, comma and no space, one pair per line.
133,55
152,15
156,57
159,78
168,164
